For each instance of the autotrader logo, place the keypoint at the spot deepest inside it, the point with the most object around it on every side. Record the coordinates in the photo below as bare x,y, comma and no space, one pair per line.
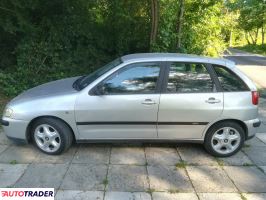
27,193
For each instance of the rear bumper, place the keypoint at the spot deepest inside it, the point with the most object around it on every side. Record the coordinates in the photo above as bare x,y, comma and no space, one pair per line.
252,126
15,129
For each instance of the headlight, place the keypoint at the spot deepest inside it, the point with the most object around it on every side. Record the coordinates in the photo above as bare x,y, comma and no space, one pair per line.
8,112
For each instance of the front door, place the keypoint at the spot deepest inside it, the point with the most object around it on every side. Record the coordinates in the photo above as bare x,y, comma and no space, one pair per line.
189,101
125,106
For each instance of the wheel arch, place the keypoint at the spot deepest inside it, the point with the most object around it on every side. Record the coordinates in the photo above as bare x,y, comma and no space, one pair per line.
29,127
241,123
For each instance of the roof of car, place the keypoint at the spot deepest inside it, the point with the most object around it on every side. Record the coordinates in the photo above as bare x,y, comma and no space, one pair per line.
174,57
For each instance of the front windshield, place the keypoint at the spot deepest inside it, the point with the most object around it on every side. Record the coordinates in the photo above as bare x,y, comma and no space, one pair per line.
86,80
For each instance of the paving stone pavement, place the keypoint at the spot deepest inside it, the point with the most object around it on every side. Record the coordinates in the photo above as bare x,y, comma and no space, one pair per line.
139,172
169,178
262,115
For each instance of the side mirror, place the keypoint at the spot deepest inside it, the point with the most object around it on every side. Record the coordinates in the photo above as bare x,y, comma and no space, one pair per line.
99,90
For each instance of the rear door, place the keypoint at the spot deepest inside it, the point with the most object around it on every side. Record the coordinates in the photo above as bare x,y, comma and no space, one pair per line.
189,101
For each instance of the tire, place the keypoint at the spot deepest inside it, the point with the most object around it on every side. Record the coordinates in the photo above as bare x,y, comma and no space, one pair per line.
224,139
51,136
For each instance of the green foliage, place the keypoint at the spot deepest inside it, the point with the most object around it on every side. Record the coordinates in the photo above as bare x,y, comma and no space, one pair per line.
259,49
251,19
47,40
57,39
252,13
166,39
203,27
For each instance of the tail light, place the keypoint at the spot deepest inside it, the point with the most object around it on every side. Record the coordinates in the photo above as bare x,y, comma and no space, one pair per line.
255,97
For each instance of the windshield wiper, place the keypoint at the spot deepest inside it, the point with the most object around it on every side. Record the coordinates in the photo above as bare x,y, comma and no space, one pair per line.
77,82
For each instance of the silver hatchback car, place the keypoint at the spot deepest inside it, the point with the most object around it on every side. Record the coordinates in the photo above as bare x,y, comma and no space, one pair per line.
147,97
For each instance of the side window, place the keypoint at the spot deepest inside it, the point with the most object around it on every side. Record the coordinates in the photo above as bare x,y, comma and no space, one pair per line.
189,78
229,81
138,78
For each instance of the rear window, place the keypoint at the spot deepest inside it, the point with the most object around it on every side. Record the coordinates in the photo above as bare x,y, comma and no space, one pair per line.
230,82
189,78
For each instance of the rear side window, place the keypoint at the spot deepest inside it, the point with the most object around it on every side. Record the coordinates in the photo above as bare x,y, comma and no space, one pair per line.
229,81
189,78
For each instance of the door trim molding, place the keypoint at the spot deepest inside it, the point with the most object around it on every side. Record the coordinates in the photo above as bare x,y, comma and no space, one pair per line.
140,123
140,140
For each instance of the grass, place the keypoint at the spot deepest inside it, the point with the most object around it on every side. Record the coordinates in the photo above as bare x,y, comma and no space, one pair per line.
13,162
105,182
246,146
242,197
220,162
258,49
248,164
150,190
181,165
172,191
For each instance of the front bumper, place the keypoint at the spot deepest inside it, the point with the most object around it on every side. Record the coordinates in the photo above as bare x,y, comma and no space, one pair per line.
15,129
252,126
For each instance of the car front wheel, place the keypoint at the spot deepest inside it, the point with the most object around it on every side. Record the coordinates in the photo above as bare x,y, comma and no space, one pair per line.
224,139
51,136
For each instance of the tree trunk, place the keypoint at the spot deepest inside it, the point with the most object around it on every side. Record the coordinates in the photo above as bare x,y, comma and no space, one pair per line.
154,21
262,34
179,24
256,35
246,36
230,38
250,34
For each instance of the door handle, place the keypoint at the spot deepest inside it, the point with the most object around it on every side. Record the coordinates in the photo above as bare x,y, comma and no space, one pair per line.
212,100
148,102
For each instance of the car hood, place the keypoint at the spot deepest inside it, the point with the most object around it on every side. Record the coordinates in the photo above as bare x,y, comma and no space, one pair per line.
54,88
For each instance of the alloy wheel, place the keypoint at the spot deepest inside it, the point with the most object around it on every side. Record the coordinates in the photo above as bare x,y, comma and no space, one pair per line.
47,138
226,140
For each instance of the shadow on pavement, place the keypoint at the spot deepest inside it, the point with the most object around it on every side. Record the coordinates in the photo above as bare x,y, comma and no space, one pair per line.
263,93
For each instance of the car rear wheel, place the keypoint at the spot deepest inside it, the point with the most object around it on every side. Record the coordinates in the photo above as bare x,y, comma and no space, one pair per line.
52,136
224,139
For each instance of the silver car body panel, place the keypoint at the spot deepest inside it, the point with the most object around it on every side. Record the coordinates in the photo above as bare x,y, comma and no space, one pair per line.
125,109
188,109
56,99
16,129
59,99
59,87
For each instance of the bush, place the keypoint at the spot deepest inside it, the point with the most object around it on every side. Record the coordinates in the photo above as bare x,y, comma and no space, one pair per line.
46,40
